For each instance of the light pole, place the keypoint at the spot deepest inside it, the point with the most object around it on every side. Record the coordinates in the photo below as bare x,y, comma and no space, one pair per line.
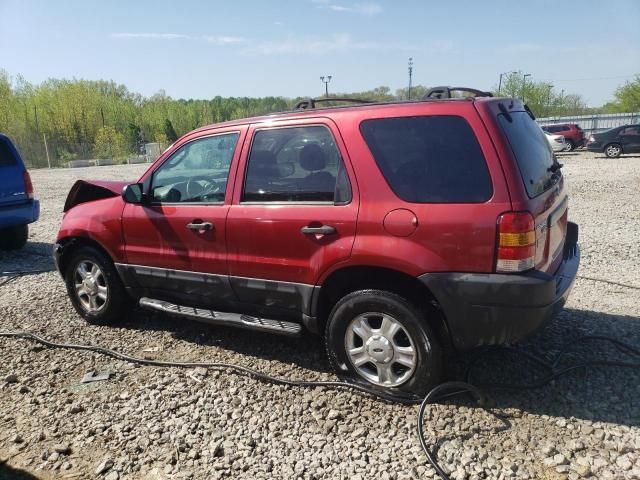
524,83
326,84
549,88
410,75
500,81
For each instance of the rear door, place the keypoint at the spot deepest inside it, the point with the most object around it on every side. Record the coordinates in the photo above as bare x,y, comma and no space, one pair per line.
543,194
630,139
294,213
12,186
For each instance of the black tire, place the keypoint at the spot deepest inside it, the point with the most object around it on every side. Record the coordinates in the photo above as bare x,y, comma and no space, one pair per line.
14,238
428,367
117,301
570,145
613,150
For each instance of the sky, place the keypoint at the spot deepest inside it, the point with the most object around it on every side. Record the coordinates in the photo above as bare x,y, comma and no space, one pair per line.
281,47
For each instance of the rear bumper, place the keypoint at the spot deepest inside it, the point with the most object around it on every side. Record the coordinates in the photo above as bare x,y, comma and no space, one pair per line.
594,147
493,309
20,214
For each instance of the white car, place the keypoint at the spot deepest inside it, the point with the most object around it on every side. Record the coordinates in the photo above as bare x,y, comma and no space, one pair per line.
557,142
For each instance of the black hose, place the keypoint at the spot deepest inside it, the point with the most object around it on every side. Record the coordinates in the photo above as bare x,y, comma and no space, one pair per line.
440,392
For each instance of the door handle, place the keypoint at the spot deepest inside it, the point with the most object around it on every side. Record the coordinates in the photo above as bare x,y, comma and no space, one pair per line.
206,226
322,230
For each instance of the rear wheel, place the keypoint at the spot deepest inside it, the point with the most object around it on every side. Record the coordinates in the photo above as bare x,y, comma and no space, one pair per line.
613,150
94,286
14,238
379,339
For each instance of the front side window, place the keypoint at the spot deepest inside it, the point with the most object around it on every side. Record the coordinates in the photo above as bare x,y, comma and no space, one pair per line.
295,164
431,159
197,172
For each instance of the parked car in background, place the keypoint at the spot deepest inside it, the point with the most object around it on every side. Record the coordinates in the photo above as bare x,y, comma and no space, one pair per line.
571,132
18,206
557,142
616,142
396,230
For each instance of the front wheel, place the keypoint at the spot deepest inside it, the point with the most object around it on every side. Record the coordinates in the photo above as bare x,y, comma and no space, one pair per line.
94,286
379,339
613,150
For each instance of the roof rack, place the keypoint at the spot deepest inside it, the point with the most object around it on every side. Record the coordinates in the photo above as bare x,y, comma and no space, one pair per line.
445,92
311,102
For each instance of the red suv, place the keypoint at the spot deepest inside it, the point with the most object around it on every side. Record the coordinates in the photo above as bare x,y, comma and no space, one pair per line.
572,133
395,230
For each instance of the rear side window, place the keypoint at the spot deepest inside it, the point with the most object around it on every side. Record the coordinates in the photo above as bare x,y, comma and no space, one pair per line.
532,151
296,164
7,158
434,159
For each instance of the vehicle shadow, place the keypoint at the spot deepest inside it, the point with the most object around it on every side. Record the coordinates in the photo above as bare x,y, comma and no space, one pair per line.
306,351
596,393
33,256
604,157
10,473
603,393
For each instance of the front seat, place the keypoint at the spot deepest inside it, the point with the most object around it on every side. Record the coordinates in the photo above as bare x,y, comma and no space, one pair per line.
313,159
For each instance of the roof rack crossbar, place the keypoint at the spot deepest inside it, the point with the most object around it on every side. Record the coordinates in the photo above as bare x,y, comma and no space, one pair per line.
445,92
311,102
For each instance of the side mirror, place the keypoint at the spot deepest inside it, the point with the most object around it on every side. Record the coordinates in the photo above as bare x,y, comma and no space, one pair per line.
132,193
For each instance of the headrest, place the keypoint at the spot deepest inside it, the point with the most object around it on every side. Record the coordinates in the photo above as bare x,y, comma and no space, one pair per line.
312,158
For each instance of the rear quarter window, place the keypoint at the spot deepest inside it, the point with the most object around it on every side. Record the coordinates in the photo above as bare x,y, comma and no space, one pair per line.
531,150
429,159
7,157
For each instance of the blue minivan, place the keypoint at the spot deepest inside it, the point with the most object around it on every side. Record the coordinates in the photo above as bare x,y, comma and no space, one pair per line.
18,206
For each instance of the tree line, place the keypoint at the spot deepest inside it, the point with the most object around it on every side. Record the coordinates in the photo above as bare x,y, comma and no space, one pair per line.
81,119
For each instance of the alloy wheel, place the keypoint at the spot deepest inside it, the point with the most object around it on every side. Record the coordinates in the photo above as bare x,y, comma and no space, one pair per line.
91,286
381,349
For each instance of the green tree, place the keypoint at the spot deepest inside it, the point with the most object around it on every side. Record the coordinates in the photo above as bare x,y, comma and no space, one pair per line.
627,98
169,131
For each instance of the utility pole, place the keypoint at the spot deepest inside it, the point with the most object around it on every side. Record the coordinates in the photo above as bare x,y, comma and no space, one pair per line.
326,84
549,87
410,76
524,83
500,80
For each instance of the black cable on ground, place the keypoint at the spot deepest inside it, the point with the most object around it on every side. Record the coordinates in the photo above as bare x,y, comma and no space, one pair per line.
14,274
438,393
602,280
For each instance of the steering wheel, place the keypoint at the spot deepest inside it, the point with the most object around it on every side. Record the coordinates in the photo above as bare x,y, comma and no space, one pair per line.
196,189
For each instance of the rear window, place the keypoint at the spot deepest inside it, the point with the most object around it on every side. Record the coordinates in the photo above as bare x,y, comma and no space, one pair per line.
7,157
532,151
434,159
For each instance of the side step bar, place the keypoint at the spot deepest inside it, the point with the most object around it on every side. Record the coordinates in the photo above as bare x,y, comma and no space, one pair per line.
224,318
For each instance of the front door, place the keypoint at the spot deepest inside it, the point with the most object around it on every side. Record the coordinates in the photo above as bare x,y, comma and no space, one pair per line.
293,216
175,241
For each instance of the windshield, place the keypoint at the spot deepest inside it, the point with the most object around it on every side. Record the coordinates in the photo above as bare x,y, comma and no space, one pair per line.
532,151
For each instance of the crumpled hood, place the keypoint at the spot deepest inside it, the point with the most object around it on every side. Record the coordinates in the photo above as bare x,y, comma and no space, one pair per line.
90,190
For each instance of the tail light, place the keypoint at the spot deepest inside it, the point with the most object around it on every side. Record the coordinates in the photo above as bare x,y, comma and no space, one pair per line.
28,186
516,242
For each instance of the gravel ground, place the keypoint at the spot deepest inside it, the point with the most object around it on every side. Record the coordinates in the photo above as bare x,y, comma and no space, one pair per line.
156,423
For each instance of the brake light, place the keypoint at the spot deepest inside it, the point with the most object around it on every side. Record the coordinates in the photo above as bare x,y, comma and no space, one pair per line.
516,242
28,186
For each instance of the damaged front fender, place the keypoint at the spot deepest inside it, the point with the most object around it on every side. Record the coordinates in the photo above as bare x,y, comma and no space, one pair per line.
84,191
